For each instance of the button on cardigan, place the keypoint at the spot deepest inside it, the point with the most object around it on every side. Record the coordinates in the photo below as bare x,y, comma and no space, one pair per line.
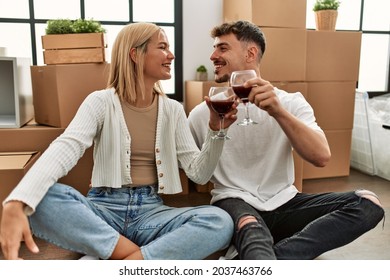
100,122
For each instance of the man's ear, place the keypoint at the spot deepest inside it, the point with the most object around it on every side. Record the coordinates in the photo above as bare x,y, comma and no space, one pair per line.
133,54
252,53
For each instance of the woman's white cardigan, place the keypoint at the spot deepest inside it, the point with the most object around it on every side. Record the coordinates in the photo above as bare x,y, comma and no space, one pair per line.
100,121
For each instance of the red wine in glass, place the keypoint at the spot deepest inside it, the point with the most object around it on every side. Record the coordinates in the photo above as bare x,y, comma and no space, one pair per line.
221,101
237,80
222,106
242,93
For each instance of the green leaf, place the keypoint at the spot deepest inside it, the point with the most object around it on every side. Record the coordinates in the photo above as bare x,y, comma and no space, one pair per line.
326,5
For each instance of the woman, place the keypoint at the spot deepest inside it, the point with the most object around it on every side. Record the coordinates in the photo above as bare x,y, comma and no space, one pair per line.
140,139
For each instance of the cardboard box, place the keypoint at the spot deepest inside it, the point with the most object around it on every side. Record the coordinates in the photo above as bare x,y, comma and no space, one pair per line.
195,91
16,106
333,104
39,138
74,48
275,13
333,56
28,138
13,166
59,90
339,164
292,87
284,58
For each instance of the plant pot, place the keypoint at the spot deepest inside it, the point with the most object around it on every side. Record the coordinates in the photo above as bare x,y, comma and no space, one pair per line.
326,20
73,48
201,76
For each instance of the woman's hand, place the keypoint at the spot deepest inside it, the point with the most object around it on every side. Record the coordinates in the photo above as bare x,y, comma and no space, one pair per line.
14,229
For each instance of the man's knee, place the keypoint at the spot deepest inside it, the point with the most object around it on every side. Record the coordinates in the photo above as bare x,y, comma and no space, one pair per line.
376,214
369,195
245,220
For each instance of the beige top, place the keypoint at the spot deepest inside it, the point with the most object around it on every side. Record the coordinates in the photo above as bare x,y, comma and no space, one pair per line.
141,123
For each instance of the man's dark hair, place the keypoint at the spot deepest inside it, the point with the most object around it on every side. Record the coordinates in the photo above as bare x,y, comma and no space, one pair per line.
245,31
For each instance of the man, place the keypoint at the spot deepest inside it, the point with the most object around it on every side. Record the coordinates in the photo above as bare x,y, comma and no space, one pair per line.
253,181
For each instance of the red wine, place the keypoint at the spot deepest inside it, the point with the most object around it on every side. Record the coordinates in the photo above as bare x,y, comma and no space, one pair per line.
242,92
222,106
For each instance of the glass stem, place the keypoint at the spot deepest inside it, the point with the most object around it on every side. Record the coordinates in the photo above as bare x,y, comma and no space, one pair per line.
221,123
246,111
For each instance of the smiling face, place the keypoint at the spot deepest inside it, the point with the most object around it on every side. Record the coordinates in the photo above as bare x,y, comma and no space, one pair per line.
158,58
229,55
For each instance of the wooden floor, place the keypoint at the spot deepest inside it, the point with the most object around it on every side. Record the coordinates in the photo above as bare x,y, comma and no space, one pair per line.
374,245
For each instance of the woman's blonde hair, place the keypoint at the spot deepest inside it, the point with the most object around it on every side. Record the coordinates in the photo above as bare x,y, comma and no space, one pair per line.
126,76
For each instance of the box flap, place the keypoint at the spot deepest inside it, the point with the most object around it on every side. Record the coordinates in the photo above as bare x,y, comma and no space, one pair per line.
15,160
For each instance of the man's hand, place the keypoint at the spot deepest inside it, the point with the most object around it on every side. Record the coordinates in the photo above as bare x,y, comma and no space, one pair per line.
263,96
15,228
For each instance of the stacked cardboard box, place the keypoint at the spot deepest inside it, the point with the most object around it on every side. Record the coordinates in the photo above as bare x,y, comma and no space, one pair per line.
59,90
332,71
275,13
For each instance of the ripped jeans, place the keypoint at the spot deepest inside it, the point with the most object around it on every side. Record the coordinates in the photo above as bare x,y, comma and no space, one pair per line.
303,228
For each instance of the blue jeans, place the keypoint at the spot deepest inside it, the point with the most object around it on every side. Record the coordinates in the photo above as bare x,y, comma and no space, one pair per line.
91,225
304,227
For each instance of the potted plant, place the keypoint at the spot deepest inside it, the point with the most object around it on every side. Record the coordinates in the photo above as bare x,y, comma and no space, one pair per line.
201,73
326,12
73,41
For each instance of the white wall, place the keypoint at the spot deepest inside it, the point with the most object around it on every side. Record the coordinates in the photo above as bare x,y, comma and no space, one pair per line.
199,17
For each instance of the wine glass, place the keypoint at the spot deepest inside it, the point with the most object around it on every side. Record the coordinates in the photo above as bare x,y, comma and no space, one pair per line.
237,79
222,100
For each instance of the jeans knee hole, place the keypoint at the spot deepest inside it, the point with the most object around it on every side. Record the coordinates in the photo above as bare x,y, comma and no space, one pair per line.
246,220
368,195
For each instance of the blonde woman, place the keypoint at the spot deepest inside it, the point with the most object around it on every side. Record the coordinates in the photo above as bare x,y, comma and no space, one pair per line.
140,138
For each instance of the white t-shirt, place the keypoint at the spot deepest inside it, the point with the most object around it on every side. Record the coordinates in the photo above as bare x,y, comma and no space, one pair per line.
257,163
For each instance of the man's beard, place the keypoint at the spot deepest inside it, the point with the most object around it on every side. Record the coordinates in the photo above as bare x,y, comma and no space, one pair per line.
223,79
